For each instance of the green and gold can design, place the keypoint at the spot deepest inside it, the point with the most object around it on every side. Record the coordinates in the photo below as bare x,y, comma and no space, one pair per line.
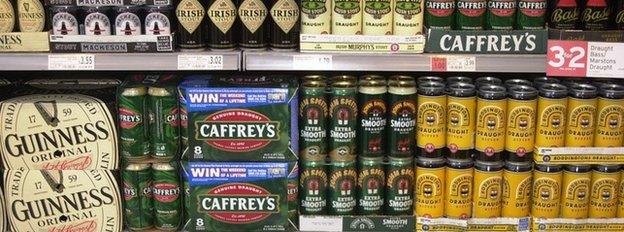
431,119
137,193
133,127
551,115
164,115
546,193
521,107
458,189
313,114
576,190
167,198
460,127
400,186
517,184
402,116
346,17
342,188
313,188
581,116
490,122
487,190
604,191
316,16
373,117
429,187
371,184
609,116
620,209
408,17
343,119
377,17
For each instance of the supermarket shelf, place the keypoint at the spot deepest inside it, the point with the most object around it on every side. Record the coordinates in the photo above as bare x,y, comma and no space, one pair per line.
275,61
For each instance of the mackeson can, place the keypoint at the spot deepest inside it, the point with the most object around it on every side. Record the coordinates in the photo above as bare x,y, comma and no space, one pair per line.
471,14
158,20
133,126
400,186
373,109
581,115
461,107
342,188
137,193
609,116
408,17
127,20
402,116
531,14
63,20
604,191
501,14
377,17
490,126
371,185
546,195
343,112
347,17
316,17
520,137
313,115
313,185
458,188
430,187
440,14
488,178
576,191
431,119
164,115
517,185
167,198
552,106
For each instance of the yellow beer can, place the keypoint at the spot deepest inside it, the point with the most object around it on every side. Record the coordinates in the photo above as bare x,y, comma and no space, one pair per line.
609,116
431,119
546,194
521,108
581,115
604,191
576,189
488,177
429,187
458,199
620,209
517,185
552,106
461,107
490,122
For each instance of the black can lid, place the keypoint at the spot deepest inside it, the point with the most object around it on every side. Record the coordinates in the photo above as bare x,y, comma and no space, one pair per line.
607,168
548,168
460,89
431,88
401,81
513,82
456,79
424,79
489,165
583,91
430,162
492,92
459,163
573,81
554,91
487,80
539,81
612,91
577,168
522,92
519,166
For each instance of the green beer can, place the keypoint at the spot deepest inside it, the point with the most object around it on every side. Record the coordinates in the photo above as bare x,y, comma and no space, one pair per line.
164,123
531,14
400,186
372,121
402,115
501,14
471,14
371,184
343,114
133,128
342,188
440,14
167,199
138,207
313,113
293,194
183,122
187,198
313,188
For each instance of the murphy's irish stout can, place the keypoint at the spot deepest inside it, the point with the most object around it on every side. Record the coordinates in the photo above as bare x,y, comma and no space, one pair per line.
137,194
400,186
402,116
488,178
342,188
487,81
604,191
371,184
252,15
221,24
133,125
581,114
517,185
408,17
346,17
458,188
190,16
284,24
431,119
313,186
343,119
313,115
551,115
521,108
372,105
316,16
460,124
575,191
377,17
546,195
490,126
429,187
609,116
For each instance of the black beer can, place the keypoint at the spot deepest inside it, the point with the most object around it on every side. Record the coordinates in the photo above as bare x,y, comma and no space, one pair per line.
284,24
252,16
127,20
64,20
97,20
158,20
190,15
221,24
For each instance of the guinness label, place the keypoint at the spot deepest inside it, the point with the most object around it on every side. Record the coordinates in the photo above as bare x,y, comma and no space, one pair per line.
7,16
285,13
72,200
157,24
223,14
190,14
31,15
64,24
97,24
58,132
252,13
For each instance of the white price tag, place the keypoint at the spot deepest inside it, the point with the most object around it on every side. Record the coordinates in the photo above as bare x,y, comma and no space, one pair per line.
320,223
605,59
71,62
312,62
200,62
461,63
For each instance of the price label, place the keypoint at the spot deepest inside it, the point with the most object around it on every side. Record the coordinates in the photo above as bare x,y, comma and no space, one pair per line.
566,58
320,223
71,62
438,64
312,62
200,62
453,64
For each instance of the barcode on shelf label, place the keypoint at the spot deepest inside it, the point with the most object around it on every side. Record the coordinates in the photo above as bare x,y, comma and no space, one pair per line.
320,223
200,62
461,63
71,62
312,62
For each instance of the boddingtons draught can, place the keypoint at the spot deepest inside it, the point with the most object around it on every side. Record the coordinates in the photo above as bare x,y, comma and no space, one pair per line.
458,189
620,209
347,17
488,177
576,189
609,116
431,119
581,115
521,107
517,184
490,126
430,187
551,115
546,191
604,191
461,107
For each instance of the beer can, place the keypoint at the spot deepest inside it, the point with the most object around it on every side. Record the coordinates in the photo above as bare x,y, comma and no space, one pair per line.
513,82
313,188
313,114
471,14
187,198
30,16
517,185
430,187
487,81
293,196
316,17
609,116
461,107
372,91
184,131
402,116
581,115
284,24
425,79
190,16
539,81
431,119
620,207
343,119
164,123
569,82
127,20
371,184
97,20
501,14
619,16
488,178
133,127
552,106
576,189
314,77
547,180
458,188
440,14
400,186
167,199
138,205
158,20
408,17
490,125
531,14
220,24
455,79
346,17
64,20
377,17
520,137
596,15
342,188
604,191
564,14
252,16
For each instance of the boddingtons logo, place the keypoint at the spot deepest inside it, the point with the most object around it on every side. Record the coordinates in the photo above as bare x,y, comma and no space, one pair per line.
431,115
603,190
577,190
428,186
582,117
239,203
546,191
490,118
237,130
553,117
408,8
610,121
458,115
490,190
523,189
313,8
461,186
377,8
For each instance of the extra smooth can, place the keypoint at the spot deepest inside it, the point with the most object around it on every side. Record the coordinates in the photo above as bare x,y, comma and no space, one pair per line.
546,194
346,17
458,188
604,191
402,116
167,199
520,137
313,115
431,119
552,106
371,184
164,117
461,109
576,189
581,115
488,178
609,116
342,188
400,186
430,187
313,186
133,127
490,126
517,185
137,193
373,109
343,111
